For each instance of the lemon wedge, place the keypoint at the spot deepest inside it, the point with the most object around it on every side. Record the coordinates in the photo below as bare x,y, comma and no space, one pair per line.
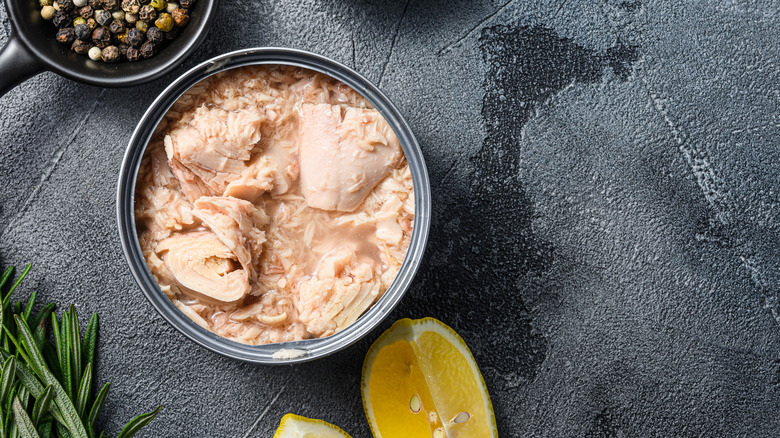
295,426
421,381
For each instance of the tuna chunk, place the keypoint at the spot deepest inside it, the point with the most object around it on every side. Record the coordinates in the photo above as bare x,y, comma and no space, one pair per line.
211,150
237,224
336,298
201,263
343,154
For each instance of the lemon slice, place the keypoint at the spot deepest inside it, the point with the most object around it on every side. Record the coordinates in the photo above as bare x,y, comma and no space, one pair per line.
421,381
295,426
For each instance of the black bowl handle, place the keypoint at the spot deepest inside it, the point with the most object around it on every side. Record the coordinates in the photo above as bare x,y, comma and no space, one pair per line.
17,63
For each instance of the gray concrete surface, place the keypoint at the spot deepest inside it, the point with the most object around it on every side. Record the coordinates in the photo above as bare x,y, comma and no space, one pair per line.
606,180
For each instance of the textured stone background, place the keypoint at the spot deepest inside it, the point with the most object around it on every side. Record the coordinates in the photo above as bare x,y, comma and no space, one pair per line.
606,180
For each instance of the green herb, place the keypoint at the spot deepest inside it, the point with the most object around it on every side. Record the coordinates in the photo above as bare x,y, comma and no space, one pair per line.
46,384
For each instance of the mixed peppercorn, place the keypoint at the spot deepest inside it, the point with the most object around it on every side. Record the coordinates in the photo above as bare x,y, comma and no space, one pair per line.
112,30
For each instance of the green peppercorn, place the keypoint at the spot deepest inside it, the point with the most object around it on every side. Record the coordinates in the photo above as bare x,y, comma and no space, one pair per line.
142,25
61,19
147,13
158,4
116,27
180,17
187,4
154,35
131,6
83,32
133,54
81,47
103,17
164,22
134,37
122,37
48,12
147,49
111,54
46,2
92,24
79,20
85,12
101,37
66,35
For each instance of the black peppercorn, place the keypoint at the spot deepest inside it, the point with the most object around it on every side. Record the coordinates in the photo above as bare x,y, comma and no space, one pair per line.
148,49
111,54
134,37
180,17
83,32
91,23
81,47
109,5
131,6
94,4
132,54
101,37
116,27
147,13
65,4
123,49
154,35
103,17
172,34
61,19
187,4
145,2
85,12
66,35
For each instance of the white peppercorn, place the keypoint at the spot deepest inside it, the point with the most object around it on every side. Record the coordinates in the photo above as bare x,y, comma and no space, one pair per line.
79,3
47,13
118,15
131,18
95,53
171,6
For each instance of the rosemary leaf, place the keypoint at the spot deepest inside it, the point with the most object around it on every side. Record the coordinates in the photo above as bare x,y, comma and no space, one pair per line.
21,277
7,379
84,389
137,423
75,352
41,406
61,399
23,423
90,339
30,303
6,275
93,413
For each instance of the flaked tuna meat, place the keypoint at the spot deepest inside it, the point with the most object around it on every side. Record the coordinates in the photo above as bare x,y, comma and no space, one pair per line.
343,154
274,204
202,263
238,225
212,149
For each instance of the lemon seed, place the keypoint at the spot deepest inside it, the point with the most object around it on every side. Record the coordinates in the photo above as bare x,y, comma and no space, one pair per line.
439,433
414,404
462,417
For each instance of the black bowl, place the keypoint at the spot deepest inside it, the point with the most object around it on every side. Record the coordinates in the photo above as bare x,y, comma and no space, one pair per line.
32,48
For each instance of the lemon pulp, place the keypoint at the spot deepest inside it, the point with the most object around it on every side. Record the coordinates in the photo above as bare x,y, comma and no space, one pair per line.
420,380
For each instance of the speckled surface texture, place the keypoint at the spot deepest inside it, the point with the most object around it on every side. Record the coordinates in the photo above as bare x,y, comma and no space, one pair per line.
606,231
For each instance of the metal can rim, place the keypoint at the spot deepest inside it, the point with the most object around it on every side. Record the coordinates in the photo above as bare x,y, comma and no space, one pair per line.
286,352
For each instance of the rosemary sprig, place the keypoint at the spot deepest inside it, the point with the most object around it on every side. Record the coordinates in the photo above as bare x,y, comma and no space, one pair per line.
46,384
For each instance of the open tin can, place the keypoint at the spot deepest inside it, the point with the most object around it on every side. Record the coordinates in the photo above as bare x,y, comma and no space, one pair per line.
286,352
